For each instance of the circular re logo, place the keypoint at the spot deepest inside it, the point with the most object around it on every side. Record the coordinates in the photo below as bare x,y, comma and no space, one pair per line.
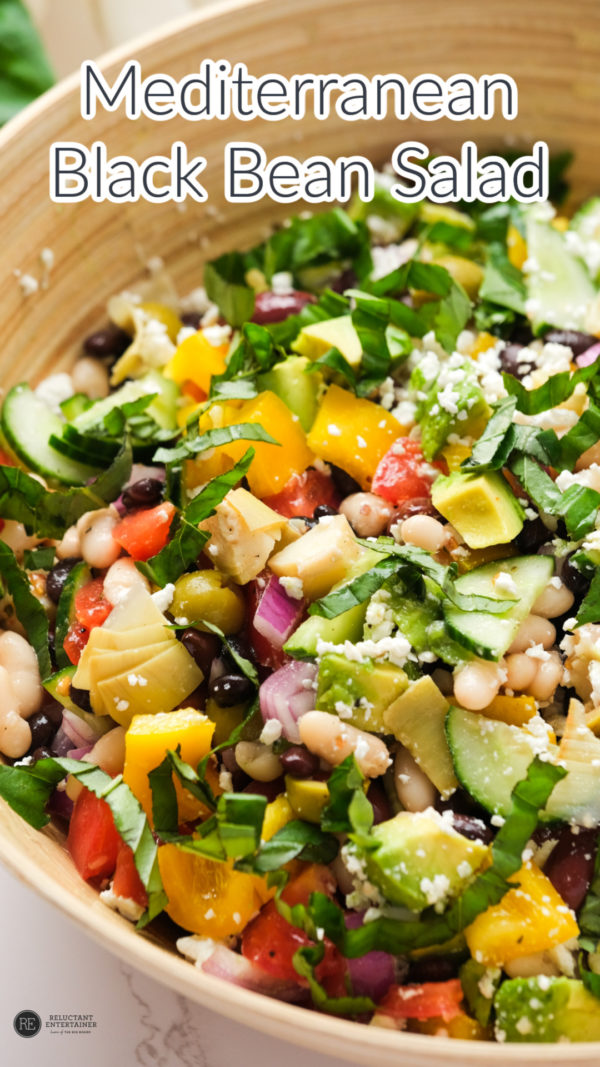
27,1023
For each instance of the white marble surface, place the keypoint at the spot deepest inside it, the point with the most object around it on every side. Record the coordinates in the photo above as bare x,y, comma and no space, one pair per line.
47,964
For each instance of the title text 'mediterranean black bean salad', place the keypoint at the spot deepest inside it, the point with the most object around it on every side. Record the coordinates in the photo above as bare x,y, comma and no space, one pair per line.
301,615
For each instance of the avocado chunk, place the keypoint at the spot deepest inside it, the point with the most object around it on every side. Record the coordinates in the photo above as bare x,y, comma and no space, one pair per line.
358,692
421,622
481,507
421,860
291,383
315,340
417,719
547,1010
455,406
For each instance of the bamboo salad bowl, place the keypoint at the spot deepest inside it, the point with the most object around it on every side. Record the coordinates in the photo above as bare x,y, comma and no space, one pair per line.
550,49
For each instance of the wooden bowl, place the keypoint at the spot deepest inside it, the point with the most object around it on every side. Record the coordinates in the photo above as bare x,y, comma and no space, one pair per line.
550,49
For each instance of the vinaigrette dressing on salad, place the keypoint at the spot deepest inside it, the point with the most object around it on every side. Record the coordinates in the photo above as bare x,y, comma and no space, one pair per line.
301,615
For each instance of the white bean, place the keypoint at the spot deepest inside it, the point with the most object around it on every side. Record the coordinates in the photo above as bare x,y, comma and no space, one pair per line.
90,376
258,760
16,537
15,734
547,677
531,966
555,600
70,546
18,658
122,576
109,752
367,513
534,630
425,532
413,788
520,671
326,736
477,683
98,546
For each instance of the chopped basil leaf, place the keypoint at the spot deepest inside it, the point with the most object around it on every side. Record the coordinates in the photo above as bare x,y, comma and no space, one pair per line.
589,915
348,809
330,305
578,505
194,445
334,360
245,665
494,446
187,541
503,283
589,611
225,284
38,559
305,961
30,612
554,391
563,452
354,592
590,979
24,69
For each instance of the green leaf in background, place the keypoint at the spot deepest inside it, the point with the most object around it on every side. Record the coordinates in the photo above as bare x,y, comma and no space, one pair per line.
590,612
30,612
24,69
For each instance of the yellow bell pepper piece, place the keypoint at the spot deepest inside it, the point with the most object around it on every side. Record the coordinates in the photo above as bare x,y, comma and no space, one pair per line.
353,433
146,743
560,223
273,465
164,314
454,455
516,246
531,918
277,815
515,711
483,341
461,1026
196,360
208,897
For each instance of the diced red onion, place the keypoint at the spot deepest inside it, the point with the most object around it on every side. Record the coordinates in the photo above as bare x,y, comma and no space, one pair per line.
80,732
224,963
589,356
62,743
79,753
60,803
372,974
277,614
287,695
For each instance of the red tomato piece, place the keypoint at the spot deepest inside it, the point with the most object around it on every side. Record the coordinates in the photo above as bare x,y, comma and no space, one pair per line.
5,459
75,641
126,880
403,473
270,941
93,840
431,1000
303,493
146,532
91,606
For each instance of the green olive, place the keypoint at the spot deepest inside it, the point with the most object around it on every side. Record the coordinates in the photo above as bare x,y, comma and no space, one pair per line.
208,595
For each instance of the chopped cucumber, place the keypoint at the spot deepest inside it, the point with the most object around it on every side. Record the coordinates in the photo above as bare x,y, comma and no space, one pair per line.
28,424
65,611
163,409
559,287
490,757
489,635
77,454
74,405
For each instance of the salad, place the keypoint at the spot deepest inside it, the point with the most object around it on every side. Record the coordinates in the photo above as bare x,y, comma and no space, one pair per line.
301,615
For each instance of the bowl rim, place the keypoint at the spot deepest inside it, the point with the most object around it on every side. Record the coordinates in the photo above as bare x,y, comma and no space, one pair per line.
310,1029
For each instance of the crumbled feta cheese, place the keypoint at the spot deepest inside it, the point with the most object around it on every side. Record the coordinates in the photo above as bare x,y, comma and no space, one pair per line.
163,598
27,283
217,335
129,909
293,587
225,781
54,389
396,649
435,889
282,282
271,732
333,430
503,582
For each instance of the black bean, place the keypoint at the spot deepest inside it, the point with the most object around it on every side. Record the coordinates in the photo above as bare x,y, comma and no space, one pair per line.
143,494
42,729
432,969
202,647
473,828
420,505
574,579
230,689
41,753
532,536
298,762
509,361
323,510
343,482
57,577
111,341
380,804
191,318
570,866
81,697
573,339
522,334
